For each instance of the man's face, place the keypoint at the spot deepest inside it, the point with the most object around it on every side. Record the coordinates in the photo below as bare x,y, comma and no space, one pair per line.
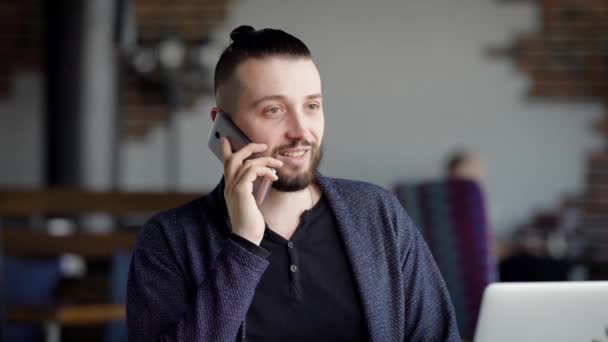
470,168
279,103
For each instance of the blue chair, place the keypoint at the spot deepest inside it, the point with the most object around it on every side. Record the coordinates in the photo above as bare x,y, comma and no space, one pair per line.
117,331
30,283
451,215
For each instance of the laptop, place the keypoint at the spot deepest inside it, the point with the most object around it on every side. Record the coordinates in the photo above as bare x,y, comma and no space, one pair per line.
544,311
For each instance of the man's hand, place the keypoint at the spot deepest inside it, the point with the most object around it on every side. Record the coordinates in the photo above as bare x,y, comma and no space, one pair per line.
239,174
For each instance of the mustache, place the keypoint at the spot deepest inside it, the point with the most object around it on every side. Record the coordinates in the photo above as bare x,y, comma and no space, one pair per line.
294,144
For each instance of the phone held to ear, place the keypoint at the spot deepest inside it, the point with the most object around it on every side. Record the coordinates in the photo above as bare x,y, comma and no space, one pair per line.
224,127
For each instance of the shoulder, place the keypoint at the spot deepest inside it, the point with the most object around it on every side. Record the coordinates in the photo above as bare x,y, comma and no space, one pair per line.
361,193
368,205
200,219
168,226
351,187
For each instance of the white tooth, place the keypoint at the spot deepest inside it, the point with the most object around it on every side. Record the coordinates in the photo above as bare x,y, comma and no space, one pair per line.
294,154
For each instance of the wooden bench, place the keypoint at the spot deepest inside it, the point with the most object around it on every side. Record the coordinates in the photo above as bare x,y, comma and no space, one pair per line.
24,243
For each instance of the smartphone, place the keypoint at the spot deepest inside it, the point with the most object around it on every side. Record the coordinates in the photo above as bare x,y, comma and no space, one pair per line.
224,127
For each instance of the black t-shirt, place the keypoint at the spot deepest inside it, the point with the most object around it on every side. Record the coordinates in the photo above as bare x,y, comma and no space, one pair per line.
307,293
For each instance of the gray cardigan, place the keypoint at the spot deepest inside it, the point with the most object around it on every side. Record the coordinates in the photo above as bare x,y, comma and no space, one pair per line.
189,282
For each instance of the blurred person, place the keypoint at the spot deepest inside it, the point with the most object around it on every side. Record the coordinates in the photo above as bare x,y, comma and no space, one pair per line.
322,259
465,165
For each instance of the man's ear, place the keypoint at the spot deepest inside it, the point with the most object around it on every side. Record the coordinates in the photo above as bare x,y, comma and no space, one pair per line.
214,112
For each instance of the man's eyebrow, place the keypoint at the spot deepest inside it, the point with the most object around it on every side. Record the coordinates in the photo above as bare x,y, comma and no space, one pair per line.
281,97
266,98
314,96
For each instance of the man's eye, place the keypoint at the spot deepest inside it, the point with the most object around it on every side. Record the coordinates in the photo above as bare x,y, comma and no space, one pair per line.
313,106
273,110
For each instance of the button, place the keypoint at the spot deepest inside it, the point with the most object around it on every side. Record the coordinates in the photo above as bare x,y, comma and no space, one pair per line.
289,244
293,268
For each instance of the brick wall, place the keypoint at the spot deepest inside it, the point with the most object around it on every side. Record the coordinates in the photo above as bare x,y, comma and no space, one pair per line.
190,21
567,59
22,39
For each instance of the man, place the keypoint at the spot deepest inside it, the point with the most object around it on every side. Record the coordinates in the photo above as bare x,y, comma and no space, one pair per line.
321,259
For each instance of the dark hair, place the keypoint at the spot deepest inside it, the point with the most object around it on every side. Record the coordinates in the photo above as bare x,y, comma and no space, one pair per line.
249,43
457,158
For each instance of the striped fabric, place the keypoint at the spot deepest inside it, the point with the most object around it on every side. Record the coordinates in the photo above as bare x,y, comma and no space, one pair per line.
451,215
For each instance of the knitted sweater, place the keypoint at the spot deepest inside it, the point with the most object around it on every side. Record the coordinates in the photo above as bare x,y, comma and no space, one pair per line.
189,282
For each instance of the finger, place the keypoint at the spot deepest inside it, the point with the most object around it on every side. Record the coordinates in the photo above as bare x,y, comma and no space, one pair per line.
247,151
245,182
227,155
226,148
234,162
262,161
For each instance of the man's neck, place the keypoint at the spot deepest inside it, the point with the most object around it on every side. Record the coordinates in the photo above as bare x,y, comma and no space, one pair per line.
282,210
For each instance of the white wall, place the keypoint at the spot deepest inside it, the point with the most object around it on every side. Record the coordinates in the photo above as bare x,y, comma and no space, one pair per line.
22,133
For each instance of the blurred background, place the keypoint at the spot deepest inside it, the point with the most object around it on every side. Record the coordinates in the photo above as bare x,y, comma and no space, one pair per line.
104,116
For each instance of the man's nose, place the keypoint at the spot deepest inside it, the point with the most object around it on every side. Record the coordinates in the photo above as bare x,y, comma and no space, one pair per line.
298,126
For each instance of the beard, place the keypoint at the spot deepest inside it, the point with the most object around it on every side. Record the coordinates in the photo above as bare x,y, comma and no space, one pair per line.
290,181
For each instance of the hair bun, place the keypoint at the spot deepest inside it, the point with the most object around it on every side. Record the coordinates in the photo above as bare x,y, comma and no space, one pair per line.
240,32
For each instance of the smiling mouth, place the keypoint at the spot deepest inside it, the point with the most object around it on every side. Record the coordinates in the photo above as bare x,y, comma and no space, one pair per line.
295,154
